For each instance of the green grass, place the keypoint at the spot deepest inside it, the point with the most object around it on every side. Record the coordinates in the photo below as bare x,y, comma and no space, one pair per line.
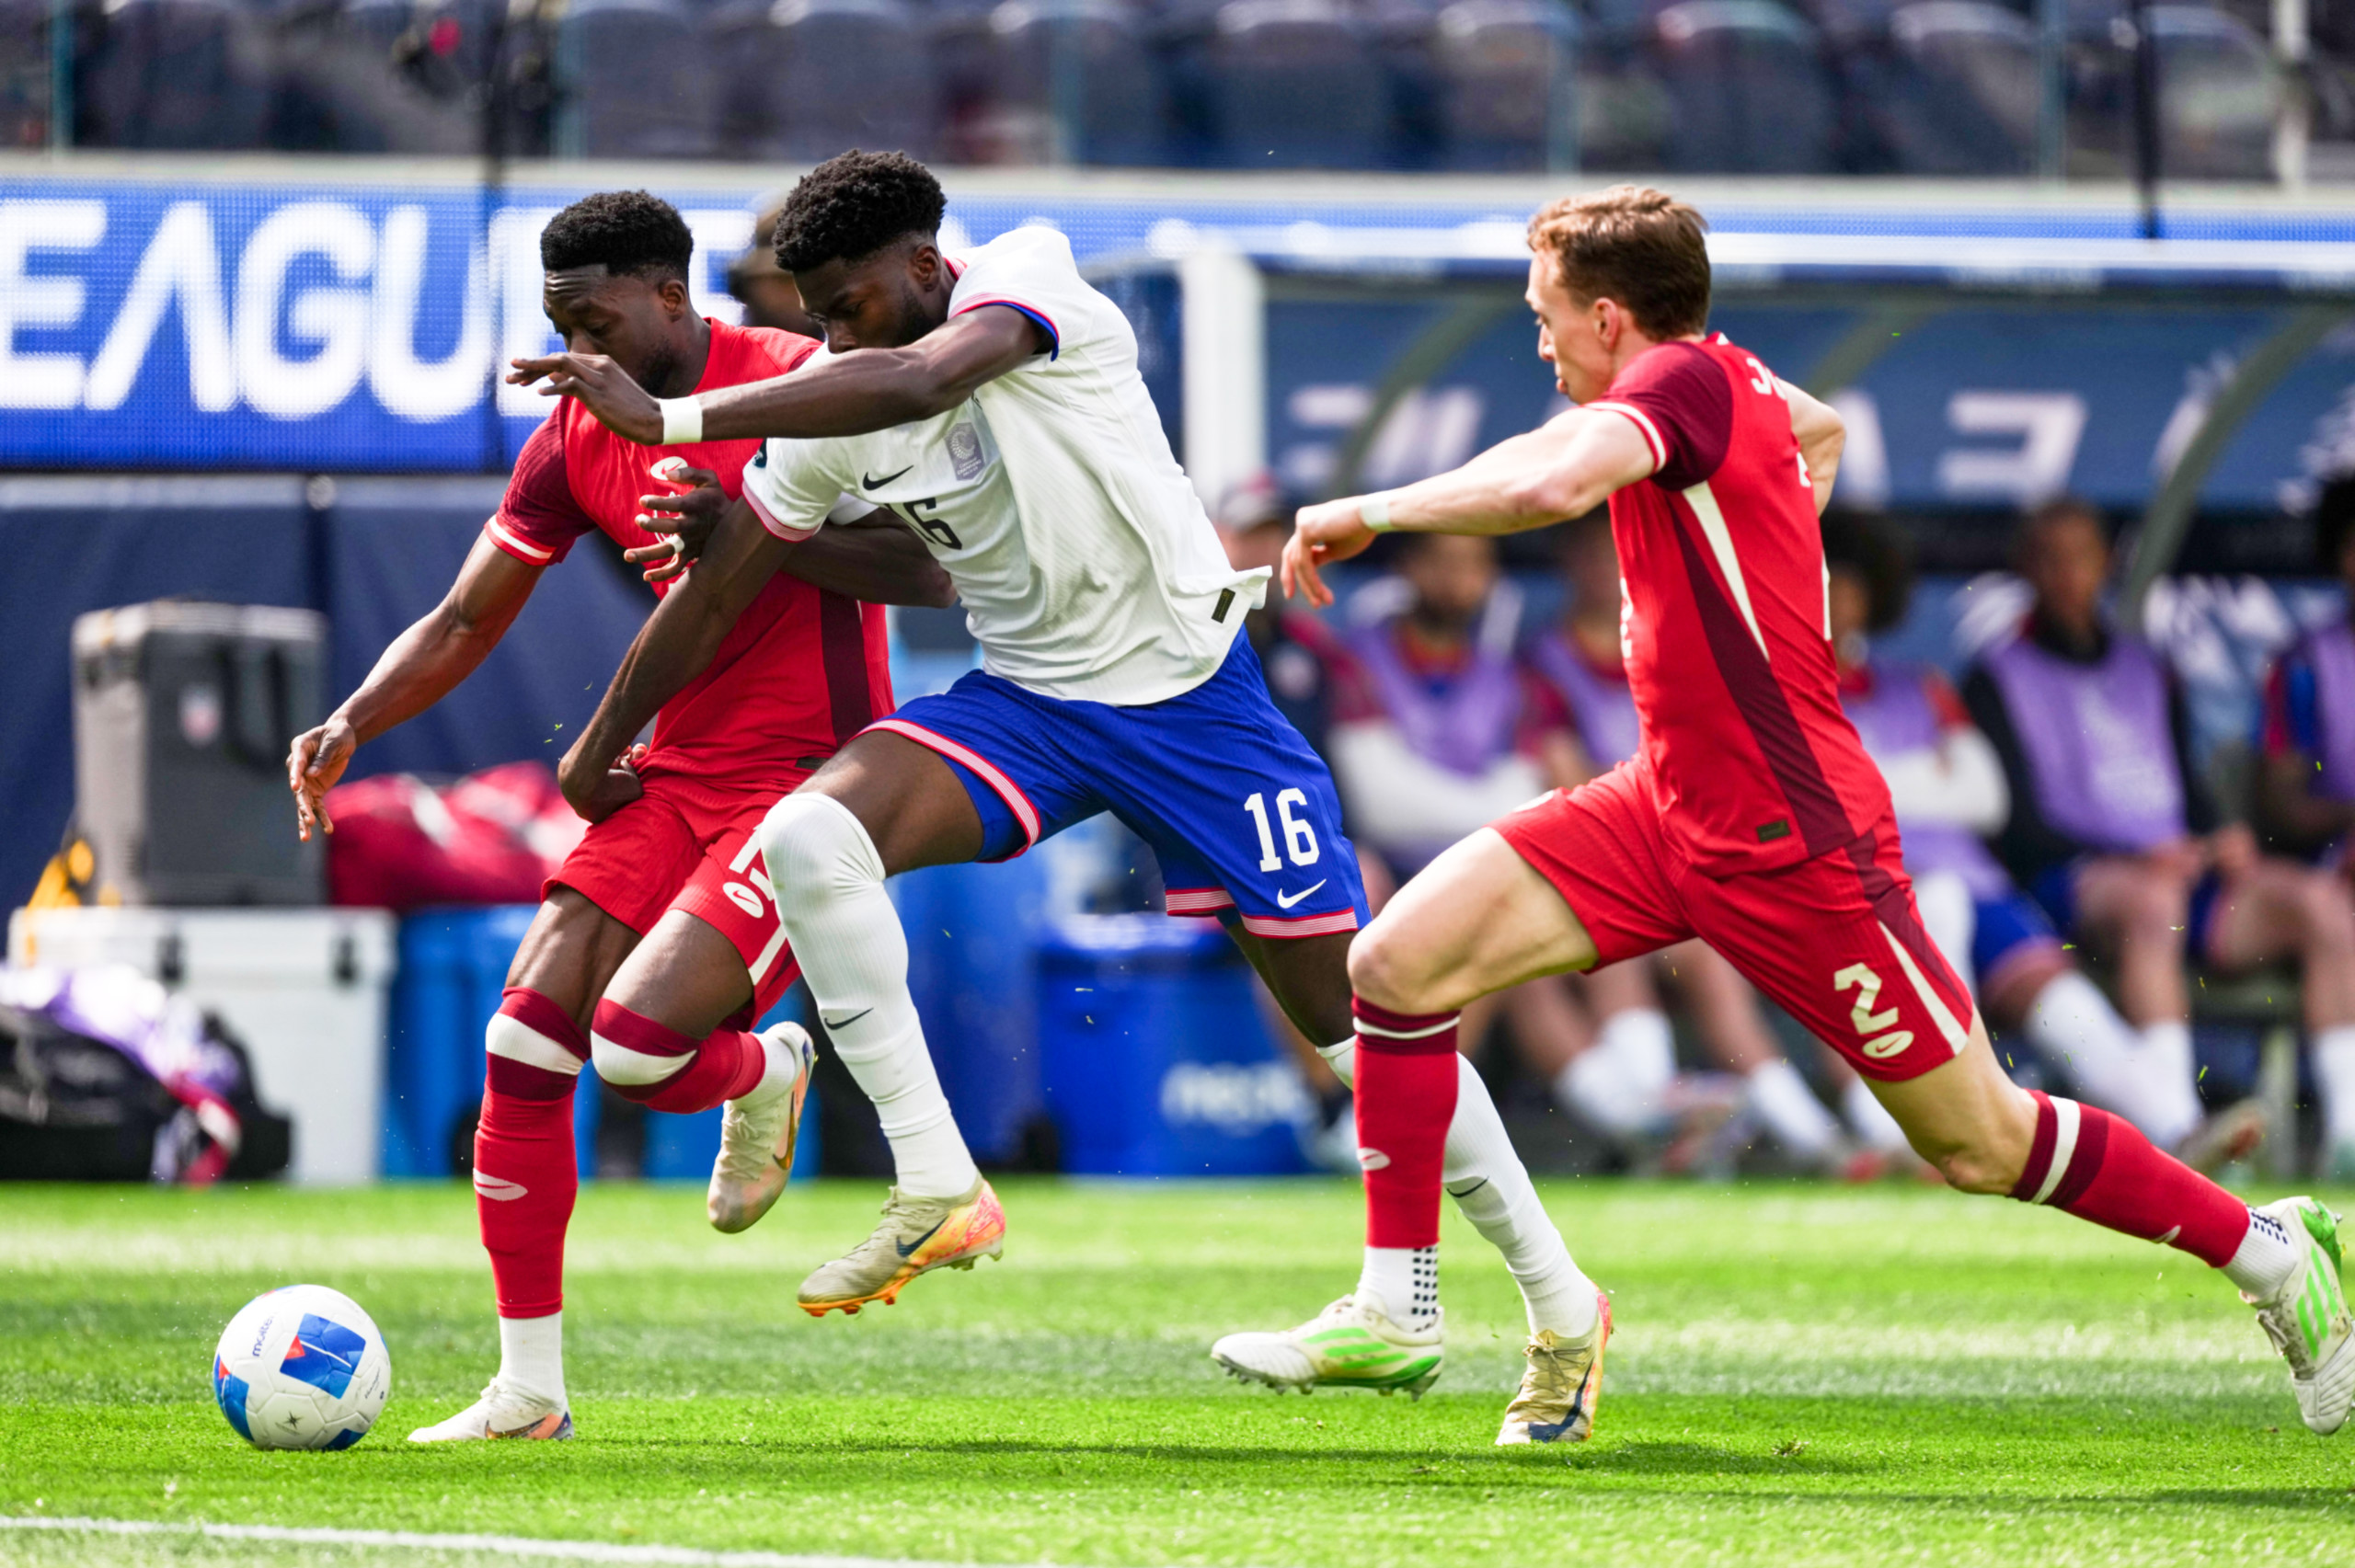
1801,1374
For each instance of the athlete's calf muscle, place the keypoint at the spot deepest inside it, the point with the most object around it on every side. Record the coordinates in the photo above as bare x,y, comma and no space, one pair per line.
1474,921
686,975
1966,1118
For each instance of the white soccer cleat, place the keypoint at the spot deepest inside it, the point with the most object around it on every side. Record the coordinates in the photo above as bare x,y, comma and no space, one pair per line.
501,1413
2307,1319
757,1134
1350,1345
1563,1387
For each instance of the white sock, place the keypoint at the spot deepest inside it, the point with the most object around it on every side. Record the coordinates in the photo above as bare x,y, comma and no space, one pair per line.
530,1358
830,898
2333,1053
1620,1081
776,1078
1405,1281
2266,1260
1869,1120
1795,1118
1493,1189
2074,1028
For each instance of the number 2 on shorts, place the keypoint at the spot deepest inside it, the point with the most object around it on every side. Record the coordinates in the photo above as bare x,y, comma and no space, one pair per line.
1299,838
1866,984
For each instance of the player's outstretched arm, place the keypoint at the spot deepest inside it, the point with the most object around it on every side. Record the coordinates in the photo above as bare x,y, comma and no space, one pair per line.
880,562
423,665
847,394
1821,437
677,644
1562,469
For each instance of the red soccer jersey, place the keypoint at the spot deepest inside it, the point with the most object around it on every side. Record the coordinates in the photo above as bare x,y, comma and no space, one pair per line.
1726,619
800,673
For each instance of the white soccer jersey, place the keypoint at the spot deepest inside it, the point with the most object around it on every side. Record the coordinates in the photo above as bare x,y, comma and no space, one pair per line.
1087,567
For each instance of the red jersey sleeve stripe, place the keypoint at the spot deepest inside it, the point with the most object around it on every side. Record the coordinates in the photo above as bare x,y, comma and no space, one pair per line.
516,544
1644,423
1054,336
769,522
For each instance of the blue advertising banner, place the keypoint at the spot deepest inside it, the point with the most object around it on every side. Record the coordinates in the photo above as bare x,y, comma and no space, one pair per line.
353,325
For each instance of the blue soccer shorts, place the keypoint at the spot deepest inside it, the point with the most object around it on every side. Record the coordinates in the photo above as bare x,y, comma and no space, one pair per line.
1240,813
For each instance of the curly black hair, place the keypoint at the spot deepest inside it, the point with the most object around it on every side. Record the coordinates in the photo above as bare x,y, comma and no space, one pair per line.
2333,522
853,205
1875,552
624,231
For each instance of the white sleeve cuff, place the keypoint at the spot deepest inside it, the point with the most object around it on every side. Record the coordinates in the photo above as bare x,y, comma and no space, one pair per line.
769,520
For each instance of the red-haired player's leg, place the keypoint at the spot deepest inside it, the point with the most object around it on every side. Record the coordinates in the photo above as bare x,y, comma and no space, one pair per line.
1405,1097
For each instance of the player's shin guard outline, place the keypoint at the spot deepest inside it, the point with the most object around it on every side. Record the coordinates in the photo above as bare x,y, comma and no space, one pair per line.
1406,1099
665,1070
525,1179
2100,1168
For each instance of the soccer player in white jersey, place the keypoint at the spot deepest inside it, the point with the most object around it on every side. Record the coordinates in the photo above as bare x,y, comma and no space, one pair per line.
991,403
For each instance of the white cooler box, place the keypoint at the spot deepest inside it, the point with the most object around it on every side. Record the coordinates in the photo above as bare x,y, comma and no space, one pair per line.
303,989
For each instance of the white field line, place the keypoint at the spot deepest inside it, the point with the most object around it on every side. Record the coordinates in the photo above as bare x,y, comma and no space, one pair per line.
505,1545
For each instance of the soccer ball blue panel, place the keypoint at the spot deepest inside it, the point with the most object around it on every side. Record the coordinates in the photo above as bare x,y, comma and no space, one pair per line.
301,1367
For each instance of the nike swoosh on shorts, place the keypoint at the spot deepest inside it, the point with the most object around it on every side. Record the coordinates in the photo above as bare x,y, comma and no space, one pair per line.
1286,901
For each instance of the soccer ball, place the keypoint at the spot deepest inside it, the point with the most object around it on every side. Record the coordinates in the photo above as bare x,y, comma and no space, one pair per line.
301,1367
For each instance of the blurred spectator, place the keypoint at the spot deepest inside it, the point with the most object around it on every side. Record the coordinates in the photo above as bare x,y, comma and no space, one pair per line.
1624,1079
1950,789
766,290
2115,832
2307,786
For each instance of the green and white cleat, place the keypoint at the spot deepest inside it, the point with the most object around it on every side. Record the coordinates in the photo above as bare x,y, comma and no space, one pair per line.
757,1134
1350,1345
1562,1389
2307,1319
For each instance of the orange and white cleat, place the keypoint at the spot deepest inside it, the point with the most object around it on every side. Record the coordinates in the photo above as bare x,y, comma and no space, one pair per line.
500,1413
759,1132
1563,1387
918,1234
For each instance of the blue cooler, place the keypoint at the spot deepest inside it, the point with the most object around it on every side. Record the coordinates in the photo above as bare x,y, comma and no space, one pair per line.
452,966
1153,1056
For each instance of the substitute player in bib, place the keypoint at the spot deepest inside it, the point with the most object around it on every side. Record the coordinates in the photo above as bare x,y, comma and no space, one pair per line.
1750,816
994,407
803,670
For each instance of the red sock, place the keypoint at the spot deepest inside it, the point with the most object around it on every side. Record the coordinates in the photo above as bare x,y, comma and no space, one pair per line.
524,1177
1405,1097
722,1065
2098,1167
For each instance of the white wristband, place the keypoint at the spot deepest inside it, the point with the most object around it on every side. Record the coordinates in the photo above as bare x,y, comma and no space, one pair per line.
1374,512
681,421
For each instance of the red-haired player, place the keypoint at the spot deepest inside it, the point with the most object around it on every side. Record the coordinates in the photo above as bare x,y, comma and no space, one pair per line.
669,862
1751,817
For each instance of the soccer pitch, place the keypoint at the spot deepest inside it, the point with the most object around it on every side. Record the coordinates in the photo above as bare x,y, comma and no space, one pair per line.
1801,1374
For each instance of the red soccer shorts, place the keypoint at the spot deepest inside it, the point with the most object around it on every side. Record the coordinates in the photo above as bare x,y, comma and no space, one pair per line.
1835,940
686,844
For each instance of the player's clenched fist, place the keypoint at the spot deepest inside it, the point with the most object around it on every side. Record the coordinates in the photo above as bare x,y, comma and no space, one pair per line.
596,790
1328,532
599,385
685,518
314,763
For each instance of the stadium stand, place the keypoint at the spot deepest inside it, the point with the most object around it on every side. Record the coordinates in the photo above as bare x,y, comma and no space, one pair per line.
1087,56
786,95
634,81
1750,92
175,73
1294,83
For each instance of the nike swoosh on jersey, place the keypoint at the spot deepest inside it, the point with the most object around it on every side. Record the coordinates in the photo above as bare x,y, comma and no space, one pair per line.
844,1023
1286,901
498,1190
878,484
907,1248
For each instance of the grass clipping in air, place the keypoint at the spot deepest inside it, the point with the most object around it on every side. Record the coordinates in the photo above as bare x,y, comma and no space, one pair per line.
1801,1374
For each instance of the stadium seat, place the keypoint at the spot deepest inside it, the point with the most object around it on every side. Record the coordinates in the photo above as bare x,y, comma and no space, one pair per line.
1293,83
806,79
632,80
175,73
1506,69
1961,90
2219,93
24,73
1114,92
1749,87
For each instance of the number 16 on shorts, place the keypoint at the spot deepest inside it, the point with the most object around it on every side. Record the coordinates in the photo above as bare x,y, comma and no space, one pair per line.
1299,838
